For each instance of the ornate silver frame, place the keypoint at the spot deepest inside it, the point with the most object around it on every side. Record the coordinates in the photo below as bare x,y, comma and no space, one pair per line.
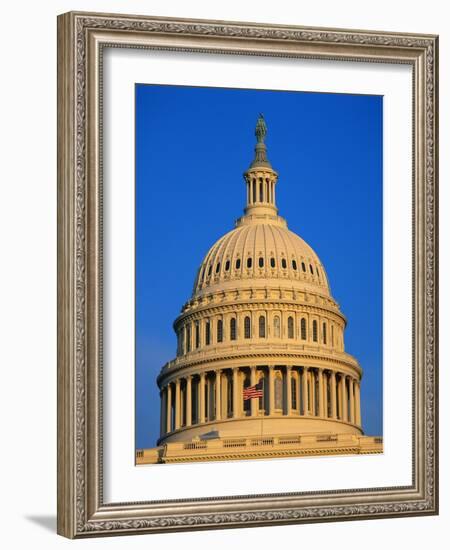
81,38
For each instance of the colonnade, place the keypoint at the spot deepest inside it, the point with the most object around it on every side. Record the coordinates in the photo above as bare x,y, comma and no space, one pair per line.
291,326
214,395
261,190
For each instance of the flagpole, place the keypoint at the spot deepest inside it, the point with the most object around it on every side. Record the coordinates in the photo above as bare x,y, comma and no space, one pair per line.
264,405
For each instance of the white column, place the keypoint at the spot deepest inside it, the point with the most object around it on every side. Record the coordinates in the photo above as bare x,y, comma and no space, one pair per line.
358,404
321,408
333,395
253,402
218,395
325,394
351,386
201,398
169,408
177,404
344,405
236,409
188,400
271,390
288,390
312,379
305,396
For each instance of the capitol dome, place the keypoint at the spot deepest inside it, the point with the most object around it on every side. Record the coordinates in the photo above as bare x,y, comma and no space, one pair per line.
263,252
260,356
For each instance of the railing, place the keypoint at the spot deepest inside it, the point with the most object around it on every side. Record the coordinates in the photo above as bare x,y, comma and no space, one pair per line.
196,445
289,440
234,443
323,438
274,441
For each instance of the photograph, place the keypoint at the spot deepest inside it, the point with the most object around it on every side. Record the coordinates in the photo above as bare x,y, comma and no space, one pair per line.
258,274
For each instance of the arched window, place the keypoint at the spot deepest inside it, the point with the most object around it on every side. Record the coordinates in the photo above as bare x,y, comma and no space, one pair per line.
247,327
294,265
207,333
314,330
290,327
293,392
283,263
311,269
303,329
276,326
197,335
238,263
227,265
272,262
261,261
324,333
249,262
218,267
278,393
188,338
220,330
303,267
262,326
233,329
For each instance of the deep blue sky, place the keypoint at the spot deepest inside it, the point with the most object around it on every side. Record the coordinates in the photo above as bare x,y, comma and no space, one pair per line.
192,146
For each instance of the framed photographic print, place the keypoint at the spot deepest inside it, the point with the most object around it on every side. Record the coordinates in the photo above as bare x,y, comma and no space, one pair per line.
247,274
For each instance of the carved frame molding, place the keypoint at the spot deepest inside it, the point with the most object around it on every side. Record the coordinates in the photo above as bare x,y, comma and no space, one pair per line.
81,38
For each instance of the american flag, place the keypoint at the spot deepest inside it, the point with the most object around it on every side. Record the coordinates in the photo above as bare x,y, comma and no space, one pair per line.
253,391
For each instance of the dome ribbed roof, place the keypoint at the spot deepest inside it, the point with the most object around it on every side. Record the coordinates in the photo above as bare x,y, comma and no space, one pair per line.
268,254
261,251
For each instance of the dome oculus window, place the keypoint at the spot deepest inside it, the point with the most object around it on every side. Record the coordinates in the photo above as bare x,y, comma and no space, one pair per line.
311,269
227,265
303,267
261,261
283,263
218,267
294,265
238,263
272,262
249,262
209,271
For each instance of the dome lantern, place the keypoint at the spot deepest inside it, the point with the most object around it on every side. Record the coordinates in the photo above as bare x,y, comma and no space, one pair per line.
260,178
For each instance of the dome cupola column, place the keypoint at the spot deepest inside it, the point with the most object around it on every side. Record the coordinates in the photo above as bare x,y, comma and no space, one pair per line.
260,178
